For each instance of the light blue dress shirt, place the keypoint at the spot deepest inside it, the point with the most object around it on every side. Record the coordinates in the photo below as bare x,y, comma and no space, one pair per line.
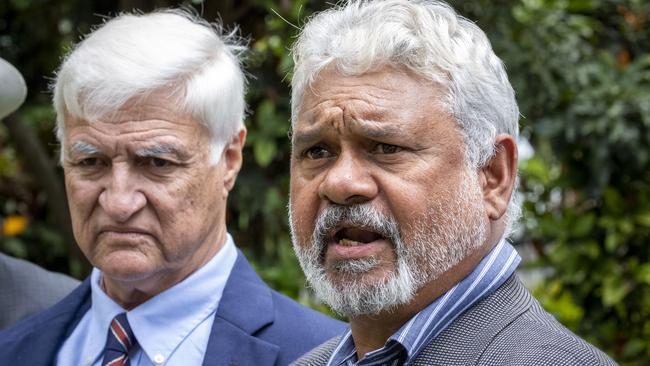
172,328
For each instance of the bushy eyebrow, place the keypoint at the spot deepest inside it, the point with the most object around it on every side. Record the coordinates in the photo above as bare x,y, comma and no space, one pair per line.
160,149
84,148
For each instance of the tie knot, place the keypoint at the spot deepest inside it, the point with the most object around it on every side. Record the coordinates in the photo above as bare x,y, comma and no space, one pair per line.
119,341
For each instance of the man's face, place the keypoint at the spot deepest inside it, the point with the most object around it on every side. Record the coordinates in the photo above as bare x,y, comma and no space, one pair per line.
147,205
382,200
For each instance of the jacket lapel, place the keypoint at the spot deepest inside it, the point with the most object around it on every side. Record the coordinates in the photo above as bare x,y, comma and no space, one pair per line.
467,337
246,306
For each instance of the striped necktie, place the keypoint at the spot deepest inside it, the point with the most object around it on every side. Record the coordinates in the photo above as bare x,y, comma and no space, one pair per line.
118,343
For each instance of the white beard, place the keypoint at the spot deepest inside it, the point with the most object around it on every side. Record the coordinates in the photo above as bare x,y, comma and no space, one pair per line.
436,241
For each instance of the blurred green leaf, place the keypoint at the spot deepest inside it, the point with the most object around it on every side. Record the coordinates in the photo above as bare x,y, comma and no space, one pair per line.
264,151
614,289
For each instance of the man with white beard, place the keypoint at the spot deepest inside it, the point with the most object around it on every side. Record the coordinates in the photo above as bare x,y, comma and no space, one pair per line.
403,170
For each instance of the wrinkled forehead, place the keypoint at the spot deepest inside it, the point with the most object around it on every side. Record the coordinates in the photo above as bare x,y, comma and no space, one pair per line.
304,77
161,102
399,82
388,94
145,120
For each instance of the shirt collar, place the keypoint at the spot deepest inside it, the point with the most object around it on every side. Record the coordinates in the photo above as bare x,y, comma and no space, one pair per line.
198,296
492,271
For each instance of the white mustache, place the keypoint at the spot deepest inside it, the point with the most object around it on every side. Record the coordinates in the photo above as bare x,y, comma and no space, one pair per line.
364,215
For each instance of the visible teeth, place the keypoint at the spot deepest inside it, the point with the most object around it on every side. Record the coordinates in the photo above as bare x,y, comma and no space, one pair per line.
349,243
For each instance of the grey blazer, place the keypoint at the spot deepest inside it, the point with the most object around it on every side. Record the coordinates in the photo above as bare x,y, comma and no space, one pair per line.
26,288
509,327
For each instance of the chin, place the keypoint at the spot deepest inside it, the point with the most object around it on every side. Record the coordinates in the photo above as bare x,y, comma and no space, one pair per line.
348,276
127,266
376,291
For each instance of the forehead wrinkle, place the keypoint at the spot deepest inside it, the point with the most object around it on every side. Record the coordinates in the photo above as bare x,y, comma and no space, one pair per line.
322,111
338,110
374,129
362,127
316,119
342,110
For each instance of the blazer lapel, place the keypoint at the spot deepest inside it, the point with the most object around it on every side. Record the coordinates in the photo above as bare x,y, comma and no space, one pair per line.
467,337
246,306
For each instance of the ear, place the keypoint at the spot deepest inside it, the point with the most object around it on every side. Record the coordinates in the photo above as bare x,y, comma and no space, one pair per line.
499,176
232,158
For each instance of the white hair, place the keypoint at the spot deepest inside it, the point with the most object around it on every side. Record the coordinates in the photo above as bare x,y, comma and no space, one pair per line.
172,50
429,39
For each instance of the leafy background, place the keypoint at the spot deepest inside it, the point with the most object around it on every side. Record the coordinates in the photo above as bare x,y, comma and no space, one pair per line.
581,70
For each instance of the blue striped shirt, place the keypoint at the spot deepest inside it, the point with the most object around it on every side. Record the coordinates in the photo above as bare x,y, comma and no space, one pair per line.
404,346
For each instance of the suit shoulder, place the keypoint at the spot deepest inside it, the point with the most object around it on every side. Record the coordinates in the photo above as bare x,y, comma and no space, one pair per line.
319,355
509,327
28,289
29,334
62,311
537,338
23,272
35,340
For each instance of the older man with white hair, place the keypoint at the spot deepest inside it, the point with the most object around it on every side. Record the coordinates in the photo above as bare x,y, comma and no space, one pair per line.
403,169
150,119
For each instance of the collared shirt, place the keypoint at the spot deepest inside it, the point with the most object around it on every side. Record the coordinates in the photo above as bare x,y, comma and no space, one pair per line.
403,347
172,328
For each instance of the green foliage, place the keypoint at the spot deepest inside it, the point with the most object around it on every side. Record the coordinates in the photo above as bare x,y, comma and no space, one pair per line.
581,70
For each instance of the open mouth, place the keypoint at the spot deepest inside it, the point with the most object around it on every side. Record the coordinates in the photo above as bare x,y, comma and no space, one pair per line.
351,243
351,236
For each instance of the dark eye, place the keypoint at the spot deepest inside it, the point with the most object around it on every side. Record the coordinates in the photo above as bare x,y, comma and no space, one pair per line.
90,162
387,149
159,163
318,152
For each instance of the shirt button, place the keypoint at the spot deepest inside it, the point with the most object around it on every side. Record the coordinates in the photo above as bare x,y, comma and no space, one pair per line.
88,360
158,358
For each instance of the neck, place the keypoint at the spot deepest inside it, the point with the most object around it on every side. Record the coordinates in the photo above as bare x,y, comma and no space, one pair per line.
370,332
130,293
127,298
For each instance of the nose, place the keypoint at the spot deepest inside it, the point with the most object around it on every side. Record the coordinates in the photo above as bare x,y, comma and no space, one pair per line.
348,181
120,198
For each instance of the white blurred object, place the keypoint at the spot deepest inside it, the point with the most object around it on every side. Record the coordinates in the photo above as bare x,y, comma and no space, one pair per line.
12,89
526,150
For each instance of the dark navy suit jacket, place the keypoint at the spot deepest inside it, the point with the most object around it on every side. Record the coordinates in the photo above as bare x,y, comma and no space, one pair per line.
254,325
